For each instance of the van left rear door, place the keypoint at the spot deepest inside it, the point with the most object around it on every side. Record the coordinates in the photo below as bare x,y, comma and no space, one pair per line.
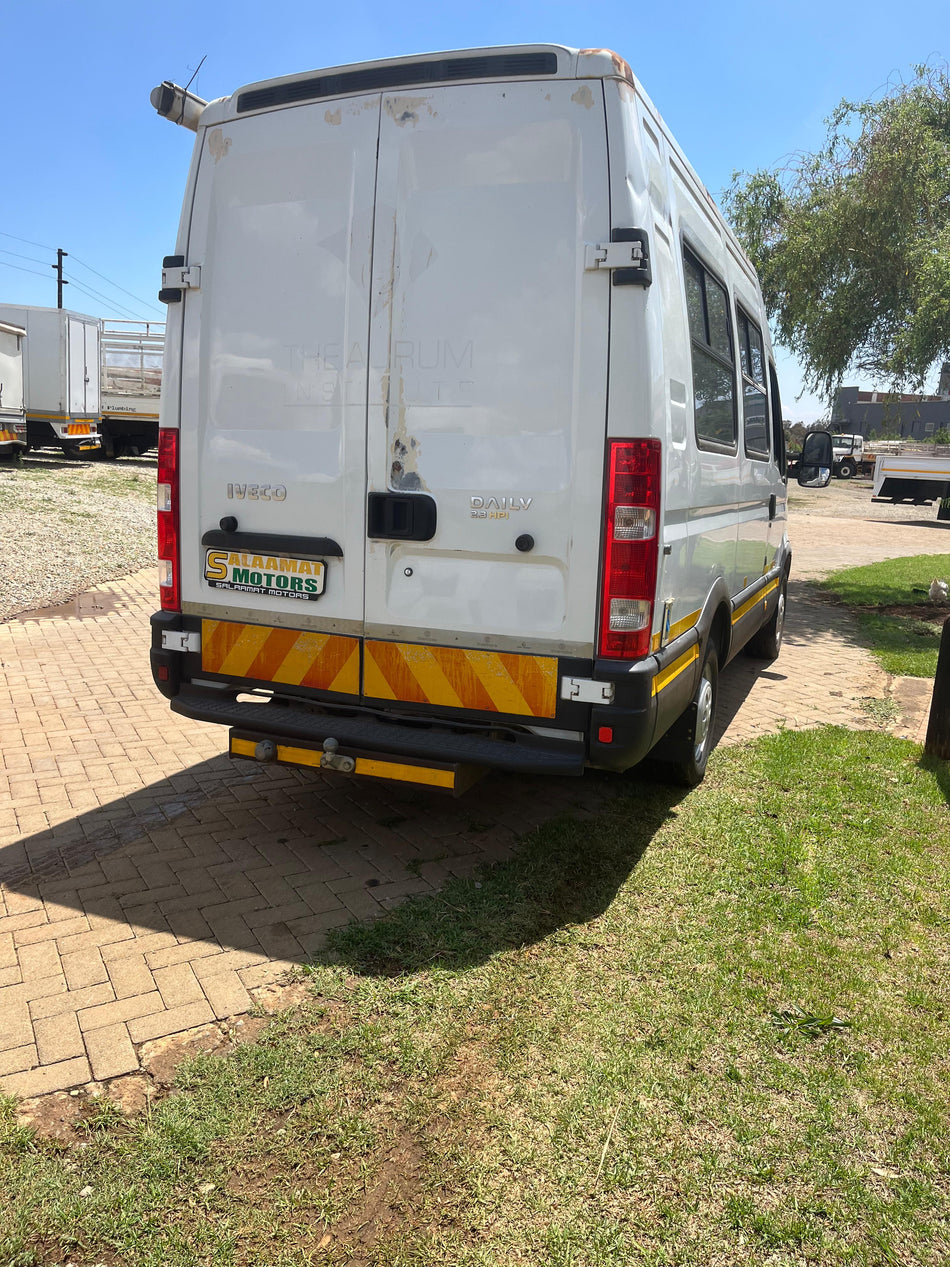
273,394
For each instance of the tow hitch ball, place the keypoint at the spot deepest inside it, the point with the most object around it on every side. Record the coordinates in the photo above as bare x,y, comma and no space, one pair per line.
331,759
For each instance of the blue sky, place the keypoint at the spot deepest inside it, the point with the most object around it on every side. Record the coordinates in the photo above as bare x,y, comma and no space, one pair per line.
90,167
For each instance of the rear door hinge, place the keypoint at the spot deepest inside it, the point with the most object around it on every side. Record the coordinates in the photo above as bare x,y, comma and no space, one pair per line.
586,691
180,640
178,277
626,255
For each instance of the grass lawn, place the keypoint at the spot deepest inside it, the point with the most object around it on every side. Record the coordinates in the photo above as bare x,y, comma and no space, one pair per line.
705,1029
900,623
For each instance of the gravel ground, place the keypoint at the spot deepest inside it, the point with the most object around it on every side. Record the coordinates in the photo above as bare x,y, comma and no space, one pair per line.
67,526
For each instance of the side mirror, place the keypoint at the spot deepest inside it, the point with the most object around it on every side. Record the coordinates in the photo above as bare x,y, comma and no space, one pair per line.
817,460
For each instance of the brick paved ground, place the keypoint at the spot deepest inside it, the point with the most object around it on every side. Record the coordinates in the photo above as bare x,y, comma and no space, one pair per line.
148,885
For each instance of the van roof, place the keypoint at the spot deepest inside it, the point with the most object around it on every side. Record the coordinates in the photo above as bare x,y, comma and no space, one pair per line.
516,61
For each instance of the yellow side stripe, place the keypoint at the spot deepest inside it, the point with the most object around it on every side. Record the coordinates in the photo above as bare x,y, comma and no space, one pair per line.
681,627
679,665
751,602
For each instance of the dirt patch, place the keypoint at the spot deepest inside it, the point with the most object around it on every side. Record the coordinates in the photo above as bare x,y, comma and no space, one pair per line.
132,1093
54,1117
387,1200
930,613
281,996
161,1057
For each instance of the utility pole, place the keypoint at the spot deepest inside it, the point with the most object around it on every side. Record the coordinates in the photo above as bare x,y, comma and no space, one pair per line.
58,270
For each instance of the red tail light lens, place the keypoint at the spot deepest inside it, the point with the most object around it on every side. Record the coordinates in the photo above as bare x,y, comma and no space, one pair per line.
631,548
169,563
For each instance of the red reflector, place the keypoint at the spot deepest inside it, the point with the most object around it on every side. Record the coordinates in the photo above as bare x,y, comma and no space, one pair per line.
163,673
605,734
630,548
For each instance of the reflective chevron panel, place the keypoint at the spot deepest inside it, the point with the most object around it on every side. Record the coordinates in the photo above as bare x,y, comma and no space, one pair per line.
491,681
325,662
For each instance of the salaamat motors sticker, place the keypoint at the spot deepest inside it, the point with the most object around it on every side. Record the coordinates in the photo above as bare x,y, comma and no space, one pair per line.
274,575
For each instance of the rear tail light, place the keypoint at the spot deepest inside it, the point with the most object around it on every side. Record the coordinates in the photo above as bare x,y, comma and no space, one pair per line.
169,563
631,548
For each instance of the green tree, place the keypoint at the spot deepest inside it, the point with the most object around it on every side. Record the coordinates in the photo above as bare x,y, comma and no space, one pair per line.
852,243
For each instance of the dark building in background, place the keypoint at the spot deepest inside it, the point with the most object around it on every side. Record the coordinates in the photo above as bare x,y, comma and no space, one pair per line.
887,414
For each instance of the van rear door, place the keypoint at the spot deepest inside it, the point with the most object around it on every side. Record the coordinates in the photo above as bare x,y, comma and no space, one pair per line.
273,396
369,333
488,373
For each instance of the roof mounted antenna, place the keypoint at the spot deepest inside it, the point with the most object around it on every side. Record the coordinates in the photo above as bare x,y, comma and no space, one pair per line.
177,104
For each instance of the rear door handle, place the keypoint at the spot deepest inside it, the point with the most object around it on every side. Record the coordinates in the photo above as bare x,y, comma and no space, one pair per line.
401,516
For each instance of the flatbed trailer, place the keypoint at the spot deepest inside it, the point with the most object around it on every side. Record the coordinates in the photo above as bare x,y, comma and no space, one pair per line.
132,353
916,475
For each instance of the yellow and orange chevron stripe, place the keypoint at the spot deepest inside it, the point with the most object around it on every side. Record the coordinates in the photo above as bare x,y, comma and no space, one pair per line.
448,677
325,662
490,681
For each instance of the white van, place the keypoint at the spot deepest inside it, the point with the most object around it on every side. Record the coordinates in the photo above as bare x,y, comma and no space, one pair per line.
471,451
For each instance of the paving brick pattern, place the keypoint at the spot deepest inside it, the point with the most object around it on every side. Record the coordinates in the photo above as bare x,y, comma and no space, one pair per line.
148,885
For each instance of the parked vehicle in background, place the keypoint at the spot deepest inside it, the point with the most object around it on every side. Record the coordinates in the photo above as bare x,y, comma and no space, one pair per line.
916,473
131,383
848,454
12,415
60,377
474,457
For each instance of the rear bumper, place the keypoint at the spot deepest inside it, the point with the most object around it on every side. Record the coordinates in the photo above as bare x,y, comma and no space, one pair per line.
362,732
611,736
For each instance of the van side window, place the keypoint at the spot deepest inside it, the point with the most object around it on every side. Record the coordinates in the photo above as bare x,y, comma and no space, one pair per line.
778,431
714,380
755,412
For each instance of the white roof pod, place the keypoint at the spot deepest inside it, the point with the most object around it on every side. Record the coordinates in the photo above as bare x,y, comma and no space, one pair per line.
177,104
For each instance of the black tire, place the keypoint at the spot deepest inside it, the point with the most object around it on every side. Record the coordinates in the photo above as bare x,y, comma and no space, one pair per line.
684,752
767,642
846,470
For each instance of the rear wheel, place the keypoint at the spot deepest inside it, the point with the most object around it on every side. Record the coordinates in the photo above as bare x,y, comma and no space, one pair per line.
767,643
684,751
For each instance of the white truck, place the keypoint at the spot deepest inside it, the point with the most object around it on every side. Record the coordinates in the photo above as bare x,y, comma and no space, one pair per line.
12,415
471,449
919,474
848,455
60,377
131,355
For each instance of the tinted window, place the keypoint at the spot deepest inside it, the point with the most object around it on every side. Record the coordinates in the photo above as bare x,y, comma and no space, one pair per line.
718,308
714,378
694,301
778,431
755,409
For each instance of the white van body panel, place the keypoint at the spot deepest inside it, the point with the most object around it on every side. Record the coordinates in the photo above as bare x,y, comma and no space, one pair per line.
487,360
277,404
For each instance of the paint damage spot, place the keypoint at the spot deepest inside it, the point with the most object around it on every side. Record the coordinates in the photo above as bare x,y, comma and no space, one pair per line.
583,97
333,117
621,67
218,144
404,111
